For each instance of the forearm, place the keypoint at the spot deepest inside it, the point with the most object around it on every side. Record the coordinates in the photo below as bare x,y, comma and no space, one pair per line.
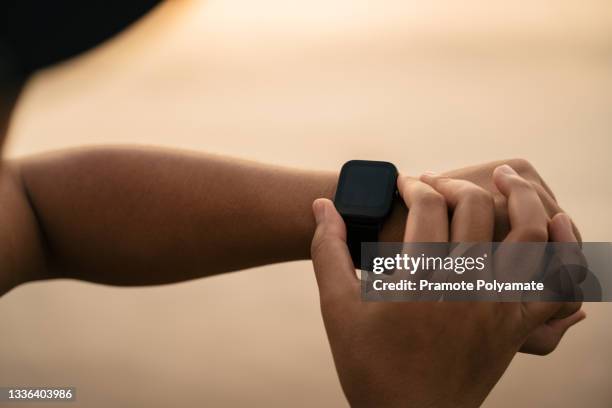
147,216
140,216
21,250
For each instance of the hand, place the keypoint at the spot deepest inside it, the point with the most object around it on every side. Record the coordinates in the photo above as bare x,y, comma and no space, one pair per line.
422,354
482,175
545,338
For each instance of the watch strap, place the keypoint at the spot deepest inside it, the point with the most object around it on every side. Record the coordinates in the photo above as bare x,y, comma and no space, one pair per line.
356,234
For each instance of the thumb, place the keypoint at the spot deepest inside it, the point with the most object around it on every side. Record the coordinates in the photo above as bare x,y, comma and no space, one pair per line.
332,262
546,337
561,230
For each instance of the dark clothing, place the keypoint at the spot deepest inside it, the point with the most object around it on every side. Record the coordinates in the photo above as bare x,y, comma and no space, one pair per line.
38,33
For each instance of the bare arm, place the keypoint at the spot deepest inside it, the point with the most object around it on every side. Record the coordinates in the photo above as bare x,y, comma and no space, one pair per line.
138,216
148,216
142,216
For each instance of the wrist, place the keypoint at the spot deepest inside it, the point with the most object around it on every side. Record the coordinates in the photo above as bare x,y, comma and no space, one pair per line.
323,185
313,185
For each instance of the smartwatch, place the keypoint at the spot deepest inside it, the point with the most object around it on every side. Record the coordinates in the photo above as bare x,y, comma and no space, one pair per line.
364,198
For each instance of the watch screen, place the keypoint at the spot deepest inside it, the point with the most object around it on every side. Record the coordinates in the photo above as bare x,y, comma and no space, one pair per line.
366,188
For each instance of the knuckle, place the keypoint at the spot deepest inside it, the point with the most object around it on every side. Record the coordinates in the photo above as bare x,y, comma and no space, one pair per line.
522,166
518,182
405,182
319,244
537,187
532,233
478,196
429,198
545,195
402,181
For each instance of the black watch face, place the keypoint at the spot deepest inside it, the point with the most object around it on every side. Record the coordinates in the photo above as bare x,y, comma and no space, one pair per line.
366,189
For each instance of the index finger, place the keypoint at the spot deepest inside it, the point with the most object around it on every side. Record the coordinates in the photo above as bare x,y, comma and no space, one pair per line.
528,218
428,215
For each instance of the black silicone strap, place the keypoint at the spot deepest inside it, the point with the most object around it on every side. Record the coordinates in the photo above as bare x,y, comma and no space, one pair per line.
355,235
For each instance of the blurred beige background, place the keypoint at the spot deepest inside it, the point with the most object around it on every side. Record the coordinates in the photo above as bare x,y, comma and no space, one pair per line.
428,85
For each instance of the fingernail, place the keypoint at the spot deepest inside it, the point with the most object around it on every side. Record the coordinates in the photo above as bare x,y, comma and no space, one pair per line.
505,169
430,173
318,208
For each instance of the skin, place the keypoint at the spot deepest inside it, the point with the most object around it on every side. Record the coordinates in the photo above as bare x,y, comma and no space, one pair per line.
144,216
419,354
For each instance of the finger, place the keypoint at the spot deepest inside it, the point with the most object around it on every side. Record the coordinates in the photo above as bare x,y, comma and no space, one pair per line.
481,175
545,338
428,216
502,226
473,208
561,325
332,262
427,222
528,219
473,220
528,223
551,206
560,229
